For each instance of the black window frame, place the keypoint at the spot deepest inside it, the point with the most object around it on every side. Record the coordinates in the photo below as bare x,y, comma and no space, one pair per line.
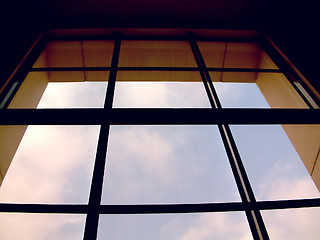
107,116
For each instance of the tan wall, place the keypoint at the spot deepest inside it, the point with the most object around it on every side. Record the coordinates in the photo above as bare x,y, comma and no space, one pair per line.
10,137
305,138
28,96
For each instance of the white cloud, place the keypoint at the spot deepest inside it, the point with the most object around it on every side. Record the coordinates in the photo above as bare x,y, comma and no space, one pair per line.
49,165
189,226
293,224
74,95
243,95
139,160
41,226
138,94
160,94
154,164
284,182
218,226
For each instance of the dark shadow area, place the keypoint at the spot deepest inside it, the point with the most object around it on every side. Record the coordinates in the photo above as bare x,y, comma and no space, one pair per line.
291,26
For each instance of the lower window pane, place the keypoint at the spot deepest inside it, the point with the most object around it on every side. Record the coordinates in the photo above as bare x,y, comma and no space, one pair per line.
273,156
16,226
167,164
198,226
293,224
53,164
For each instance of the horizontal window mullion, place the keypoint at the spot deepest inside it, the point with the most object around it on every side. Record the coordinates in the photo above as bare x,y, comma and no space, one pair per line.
43,208
162,208
157,116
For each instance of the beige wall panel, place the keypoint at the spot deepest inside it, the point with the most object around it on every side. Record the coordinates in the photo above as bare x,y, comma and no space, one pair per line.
216,76
41,61
158,76
10,137
278,91
97,53
72,76
306,140
242,55
95,76
239,77
61,54
31,90
28,96
213,53
265,61
156,54
280,94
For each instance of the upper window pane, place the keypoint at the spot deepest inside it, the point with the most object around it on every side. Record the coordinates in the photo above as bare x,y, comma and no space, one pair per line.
256,90
76,54
156,54
240,95
160,95
74,95
235,55
154,89
61,90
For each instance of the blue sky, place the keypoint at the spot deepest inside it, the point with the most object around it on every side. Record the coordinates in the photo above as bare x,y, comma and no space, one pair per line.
155,164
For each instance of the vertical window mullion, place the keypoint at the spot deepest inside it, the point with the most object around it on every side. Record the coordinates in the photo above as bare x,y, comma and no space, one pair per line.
254,217
92,220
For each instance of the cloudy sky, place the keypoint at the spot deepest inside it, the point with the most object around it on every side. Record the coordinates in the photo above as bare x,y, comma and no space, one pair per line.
154,164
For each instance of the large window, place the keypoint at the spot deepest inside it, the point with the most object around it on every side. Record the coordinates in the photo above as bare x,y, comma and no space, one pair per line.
127,136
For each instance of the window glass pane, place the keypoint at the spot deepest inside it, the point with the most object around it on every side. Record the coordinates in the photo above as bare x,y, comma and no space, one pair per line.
264,90
61,90
156,54
76,54
53,164
293,224
175,226
167,164
235,55
74,95
240,95
160,95
41,226
160,89
273,162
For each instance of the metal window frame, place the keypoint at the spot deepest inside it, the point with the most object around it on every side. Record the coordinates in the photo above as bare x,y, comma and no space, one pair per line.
107,116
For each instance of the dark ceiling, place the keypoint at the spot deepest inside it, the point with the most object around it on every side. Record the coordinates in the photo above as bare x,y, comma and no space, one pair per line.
292,25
